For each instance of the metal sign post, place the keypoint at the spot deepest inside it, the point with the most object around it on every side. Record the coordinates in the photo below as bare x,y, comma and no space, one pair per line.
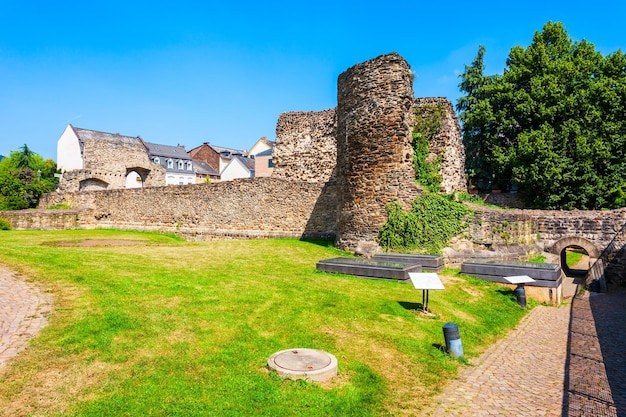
520,293
425,281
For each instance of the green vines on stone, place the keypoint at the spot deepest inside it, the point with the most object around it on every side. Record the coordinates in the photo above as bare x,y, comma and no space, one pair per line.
433,220
427,122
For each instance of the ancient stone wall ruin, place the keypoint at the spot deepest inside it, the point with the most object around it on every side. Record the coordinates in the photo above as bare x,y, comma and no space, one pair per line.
446,144
107,163
306,146
375,156
336,170
248,208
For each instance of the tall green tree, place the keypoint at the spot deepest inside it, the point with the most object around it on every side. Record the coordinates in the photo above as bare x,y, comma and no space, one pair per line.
478,121
553,122
24,177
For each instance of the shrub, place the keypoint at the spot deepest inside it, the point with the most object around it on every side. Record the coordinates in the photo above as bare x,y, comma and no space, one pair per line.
433,220
4,224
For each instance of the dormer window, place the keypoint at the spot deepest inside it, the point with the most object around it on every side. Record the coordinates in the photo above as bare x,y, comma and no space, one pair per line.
189,166
157,160
170,163
180,164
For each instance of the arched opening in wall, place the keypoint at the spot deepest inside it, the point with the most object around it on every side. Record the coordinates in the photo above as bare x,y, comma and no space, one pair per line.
136,177
134,180
575,261
92,184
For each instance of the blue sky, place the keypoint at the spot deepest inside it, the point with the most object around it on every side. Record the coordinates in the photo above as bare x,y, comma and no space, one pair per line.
188,72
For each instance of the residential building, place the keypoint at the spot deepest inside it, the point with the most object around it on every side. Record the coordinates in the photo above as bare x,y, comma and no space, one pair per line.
204,172
176,161
238,167
263,163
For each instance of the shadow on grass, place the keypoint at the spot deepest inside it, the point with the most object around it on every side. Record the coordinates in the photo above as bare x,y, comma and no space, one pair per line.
411,306
326,243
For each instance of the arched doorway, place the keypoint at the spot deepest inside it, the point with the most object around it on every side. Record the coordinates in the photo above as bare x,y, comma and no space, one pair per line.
134,180
575,261
577,255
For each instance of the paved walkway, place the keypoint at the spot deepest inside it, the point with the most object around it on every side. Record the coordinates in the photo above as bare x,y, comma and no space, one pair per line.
567,361
23,312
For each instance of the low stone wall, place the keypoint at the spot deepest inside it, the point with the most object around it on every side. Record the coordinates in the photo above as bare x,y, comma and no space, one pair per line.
492,227
42,219
249,208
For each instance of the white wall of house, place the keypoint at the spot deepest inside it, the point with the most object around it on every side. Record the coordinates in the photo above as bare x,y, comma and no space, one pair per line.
235,169
68,151
133,180
259,147
174,178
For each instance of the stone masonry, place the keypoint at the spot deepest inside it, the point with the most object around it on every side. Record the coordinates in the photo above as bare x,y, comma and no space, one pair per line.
306,146
375,156
446,144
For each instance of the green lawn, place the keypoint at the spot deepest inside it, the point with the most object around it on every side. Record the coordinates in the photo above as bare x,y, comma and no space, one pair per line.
174,328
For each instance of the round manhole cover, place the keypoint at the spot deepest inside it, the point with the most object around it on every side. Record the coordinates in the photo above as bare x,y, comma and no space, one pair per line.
312,364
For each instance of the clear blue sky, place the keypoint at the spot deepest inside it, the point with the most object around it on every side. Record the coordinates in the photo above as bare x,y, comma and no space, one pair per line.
188,72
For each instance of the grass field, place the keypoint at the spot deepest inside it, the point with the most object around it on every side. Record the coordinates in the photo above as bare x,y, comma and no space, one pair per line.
146,324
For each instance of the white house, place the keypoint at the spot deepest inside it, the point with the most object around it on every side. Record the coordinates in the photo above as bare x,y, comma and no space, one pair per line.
238,167
176,161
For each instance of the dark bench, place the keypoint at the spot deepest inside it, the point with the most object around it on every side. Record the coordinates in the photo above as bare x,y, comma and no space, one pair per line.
545,275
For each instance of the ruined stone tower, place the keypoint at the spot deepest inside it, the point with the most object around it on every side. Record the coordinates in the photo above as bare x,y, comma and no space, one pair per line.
374,153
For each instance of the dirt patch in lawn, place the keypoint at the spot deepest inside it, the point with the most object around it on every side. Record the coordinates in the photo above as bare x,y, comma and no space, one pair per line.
96,242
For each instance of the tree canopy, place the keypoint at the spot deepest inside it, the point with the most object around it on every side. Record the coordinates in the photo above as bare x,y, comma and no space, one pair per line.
553,124
24,177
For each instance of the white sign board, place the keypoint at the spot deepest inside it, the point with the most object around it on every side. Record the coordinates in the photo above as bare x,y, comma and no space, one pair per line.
426,281
519,279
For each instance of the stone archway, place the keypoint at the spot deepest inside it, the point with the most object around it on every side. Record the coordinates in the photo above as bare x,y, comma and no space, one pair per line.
92,184
134,180
577,243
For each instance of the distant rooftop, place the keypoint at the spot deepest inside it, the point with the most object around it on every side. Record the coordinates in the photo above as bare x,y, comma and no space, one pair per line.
167,151
86,134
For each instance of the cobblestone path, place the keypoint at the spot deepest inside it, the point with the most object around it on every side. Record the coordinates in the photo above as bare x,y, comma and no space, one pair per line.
568,361
23,312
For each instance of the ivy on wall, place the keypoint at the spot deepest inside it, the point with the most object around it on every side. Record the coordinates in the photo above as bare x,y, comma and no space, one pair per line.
433,220
427,122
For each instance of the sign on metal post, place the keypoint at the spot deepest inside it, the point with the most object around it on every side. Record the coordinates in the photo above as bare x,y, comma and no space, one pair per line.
425,281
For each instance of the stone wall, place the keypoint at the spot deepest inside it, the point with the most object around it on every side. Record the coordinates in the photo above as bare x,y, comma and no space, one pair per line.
42,219
374,152
107,162
257,207
447,143
306,146
492,227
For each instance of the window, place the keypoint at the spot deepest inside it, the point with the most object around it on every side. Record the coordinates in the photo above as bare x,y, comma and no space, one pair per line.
189,166
170,163
181,180
180,164
157,160
270,163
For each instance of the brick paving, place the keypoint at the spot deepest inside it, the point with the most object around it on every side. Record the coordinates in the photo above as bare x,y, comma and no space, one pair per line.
23,311
566,361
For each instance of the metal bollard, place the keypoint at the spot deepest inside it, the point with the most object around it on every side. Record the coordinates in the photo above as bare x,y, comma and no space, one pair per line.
520,294
453,339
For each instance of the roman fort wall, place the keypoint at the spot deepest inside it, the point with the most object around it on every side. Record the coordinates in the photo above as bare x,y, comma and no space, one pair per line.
244,208
306,146
335,172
